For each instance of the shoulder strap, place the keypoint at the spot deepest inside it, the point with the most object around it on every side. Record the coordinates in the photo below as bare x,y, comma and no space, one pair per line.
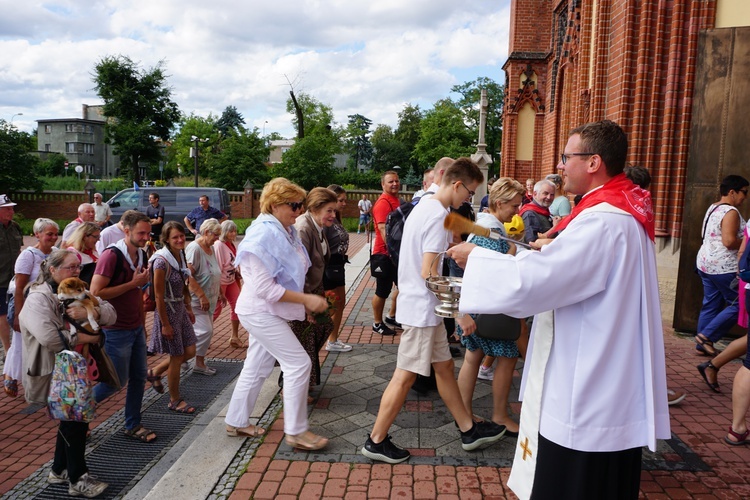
705,224
118,262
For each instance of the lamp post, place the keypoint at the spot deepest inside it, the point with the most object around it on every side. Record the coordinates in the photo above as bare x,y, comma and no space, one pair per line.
195,154
14,115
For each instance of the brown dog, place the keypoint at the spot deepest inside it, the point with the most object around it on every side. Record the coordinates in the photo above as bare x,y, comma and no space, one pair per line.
72,292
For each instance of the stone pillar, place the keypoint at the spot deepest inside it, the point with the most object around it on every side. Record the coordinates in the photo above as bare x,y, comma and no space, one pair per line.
481,157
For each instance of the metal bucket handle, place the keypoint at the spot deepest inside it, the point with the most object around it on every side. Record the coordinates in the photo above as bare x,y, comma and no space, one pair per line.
433,263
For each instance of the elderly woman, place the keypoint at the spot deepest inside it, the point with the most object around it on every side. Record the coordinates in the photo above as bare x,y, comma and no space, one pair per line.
505,198
83,243
334,279
205,289
717,263
273,264
173,332
321,214
42,326
560,206
26,269
231,281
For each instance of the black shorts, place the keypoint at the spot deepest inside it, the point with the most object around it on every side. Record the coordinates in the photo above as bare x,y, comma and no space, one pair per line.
385,273
3,301
334,276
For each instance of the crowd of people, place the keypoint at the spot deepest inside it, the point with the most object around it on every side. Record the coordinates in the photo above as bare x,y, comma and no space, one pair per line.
285,284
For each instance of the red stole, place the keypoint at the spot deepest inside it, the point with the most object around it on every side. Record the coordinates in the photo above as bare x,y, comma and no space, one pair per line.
534,207
621,193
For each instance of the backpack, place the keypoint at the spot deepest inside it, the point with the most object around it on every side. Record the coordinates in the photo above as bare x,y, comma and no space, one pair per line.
149,297
394,227
71,395
119,269
744,265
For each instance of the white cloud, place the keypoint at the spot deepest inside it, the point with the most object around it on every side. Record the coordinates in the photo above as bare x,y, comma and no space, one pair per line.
359,58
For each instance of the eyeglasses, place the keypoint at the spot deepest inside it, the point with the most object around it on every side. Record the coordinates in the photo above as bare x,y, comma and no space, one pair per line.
471,193
70,268
565,156
295,205
95,236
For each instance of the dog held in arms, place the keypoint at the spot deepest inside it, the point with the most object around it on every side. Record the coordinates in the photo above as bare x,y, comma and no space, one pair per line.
72,292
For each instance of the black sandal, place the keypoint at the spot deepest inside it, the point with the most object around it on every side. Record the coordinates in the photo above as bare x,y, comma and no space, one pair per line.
714,386
155,381
705,345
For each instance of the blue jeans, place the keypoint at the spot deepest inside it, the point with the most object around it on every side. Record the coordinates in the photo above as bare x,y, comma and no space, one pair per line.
127,349
720,305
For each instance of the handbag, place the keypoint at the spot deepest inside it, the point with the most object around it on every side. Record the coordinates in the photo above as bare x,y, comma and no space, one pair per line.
71,396
497,327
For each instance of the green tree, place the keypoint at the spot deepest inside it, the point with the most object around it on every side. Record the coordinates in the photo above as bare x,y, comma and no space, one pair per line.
318,117
443,132
387,150
139,107
53,165
178,152
408,132
18,168
231,120
358,142
240,158
309,162
470,102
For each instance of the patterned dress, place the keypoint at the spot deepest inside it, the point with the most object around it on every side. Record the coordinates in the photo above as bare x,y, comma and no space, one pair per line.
184,335
496,348
313,336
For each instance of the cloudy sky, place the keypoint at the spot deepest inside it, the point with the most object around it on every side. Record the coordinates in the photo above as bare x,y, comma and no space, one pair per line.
359,57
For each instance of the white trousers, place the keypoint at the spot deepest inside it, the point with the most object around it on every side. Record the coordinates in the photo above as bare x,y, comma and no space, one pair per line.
271,339
204,331
14,357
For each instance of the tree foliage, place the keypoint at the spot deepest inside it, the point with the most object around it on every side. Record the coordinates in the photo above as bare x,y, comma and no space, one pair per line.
408,132
387,150
231,121
240,157
470,102
358,142
139,107
443,132
179,161
18,168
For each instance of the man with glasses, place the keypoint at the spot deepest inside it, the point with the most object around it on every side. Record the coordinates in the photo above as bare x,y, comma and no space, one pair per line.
121,272
594,387
536,217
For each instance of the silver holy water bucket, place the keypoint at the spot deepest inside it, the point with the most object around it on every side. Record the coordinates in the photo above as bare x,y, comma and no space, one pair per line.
448,291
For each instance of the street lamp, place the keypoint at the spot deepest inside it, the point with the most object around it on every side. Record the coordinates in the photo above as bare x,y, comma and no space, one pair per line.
195,154
264,129
16,114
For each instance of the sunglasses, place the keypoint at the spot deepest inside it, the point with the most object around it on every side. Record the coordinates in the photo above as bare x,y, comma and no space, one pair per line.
295,205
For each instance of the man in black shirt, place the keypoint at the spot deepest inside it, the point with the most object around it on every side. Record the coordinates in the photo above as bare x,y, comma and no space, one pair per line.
155,213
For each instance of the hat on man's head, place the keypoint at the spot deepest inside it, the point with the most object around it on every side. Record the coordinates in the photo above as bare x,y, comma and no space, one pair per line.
515,226
5,201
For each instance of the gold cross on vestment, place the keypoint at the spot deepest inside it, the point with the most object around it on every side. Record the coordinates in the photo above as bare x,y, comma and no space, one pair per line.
525,448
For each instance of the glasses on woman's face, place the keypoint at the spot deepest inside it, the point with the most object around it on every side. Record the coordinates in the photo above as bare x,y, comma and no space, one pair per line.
95,236
71,269
295,205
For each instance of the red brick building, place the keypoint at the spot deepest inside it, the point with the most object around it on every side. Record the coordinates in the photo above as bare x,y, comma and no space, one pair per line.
653,66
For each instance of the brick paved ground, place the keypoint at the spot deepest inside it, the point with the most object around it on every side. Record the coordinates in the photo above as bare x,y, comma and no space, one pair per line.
26,441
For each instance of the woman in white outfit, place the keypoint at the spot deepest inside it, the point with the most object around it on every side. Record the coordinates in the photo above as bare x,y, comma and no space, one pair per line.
273,263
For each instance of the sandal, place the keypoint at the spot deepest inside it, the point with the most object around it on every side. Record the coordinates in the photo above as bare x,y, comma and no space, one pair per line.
310,443
237,344
11,387
741,438
175,406
141,434
714,386
243,432
705,345
155,381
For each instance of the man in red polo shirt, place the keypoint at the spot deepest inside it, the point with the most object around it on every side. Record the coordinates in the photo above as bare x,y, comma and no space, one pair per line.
381,265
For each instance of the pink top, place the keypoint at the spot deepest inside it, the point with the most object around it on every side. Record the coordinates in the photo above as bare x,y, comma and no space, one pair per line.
225,253
261,293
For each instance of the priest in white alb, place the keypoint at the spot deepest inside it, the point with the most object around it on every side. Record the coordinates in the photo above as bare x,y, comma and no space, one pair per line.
594,384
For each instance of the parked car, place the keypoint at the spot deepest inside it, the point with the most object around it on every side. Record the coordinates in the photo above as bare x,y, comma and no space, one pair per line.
177,201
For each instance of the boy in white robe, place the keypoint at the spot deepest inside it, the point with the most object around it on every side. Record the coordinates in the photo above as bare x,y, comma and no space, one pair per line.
595,389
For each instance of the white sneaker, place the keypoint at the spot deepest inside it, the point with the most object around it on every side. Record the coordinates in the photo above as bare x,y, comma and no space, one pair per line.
486,373
87,486
338,346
